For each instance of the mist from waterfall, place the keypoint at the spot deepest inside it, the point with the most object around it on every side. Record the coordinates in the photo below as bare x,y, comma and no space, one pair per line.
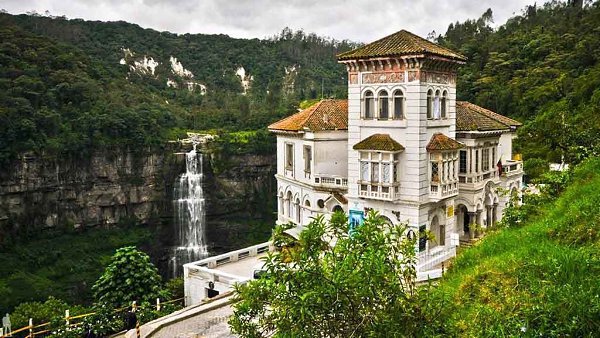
190,214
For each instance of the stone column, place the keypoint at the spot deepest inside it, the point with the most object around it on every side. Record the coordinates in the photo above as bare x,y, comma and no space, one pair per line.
494,214
472,220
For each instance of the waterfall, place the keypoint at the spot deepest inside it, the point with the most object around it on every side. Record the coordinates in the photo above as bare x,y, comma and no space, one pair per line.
190,214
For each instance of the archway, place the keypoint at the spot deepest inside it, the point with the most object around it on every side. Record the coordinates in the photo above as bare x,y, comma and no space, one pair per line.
387,220
463,218
337,208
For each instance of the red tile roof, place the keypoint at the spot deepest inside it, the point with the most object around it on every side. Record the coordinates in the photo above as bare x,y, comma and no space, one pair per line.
440,141
382,142
399,44
326,114
471,117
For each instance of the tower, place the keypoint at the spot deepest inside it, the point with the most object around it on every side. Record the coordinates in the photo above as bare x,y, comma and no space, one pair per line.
402,156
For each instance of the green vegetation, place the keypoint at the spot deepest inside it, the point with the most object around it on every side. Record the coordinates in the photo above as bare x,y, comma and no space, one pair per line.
129,277
63,89
541,67
64,265
539,275
362,286
536,275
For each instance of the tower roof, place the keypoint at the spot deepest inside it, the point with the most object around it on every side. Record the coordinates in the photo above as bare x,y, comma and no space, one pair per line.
400,44
326,114
440,141
381,142
471,117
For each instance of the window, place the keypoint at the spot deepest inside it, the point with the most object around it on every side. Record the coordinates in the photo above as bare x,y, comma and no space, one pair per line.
375,172
289,156
463,162
435,176
369,105
493,157
444,104
398,105
430,104
307,159
485,159
379,174
383,105
443,171
436,105
476,161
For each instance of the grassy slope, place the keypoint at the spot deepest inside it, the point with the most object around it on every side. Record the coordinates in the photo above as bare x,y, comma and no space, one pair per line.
540,279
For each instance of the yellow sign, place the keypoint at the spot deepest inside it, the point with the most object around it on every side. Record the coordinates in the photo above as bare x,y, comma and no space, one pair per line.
450,211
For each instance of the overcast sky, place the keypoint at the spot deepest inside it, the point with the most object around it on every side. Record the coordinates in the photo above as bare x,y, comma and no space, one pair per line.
356,20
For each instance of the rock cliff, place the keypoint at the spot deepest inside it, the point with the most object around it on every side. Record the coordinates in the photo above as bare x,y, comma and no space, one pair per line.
113,187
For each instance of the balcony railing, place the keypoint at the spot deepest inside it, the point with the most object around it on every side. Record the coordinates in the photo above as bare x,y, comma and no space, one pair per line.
480,177
511,168
442,190
381,191
331,181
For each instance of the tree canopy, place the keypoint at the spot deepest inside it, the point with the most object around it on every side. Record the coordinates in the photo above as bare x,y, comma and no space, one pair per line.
129,277
336,284
541,67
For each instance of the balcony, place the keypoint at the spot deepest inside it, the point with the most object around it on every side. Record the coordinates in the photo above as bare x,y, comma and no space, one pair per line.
512,168
379,191
438,191
330,182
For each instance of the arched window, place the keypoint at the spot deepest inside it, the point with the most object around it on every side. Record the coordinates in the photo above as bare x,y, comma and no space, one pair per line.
369,105
398,105
436,105
444,104
307,203
430,104
384,106
337,208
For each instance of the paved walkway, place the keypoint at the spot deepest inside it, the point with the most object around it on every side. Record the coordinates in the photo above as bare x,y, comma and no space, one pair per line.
207,320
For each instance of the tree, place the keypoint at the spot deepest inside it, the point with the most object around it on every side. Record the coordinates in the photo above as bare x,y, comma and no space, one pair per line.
359,285
130,276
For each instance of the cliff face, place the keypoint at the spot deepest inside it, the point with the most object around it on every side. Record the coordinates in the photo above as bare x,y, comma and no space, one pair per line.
123,187
104,189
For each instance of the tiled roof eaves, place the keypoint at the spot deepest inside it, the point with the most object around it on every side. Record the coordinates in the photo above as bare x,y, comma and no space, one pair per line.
401,43
379,142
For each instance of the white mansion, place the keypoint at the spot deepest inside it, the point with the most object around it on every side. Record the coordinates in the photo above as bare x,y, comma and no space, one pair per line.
401,145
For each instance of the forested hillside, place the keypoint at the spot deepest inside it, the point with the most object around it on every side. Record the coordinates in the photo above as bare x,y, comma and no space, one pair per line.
541,67
69,86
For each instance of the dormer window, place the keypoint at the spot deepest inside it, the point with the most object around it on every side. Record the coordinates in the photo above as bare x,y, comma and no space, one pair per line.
398,105
369,105
383,105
